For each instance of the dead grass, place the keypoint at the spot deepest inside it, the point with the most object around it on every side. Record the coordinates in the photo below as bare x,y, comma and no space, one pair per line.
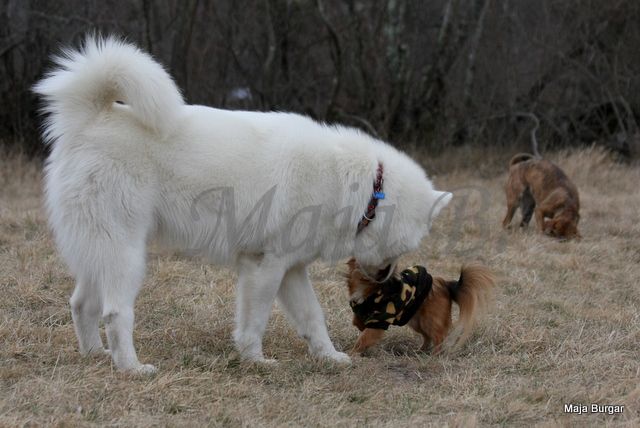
564,328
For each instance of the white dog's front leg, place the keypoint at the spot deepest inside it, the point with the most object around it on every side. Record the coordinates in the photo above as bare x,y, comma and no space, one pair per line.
298,300
259,279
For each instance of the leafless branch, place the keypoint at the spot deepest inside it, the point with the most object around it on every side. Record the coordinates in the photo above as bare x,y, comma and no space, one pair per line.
473,51
336,56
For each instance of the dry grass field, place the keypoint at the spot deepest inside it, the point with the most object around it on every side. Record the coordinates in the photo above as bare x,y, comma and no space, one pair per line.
564,327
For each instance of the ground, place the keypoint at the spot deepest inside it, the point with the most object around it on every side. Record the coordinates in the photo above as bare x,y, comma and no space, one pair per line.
563,329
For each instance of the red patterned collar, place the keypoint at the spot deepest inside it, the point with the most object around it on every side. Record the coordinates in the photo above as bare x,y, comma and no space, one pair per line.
377,194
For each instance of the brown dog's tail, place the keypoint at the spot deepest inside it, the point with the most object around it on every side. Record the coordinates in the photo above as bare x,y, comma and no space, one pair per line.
472,292
520,157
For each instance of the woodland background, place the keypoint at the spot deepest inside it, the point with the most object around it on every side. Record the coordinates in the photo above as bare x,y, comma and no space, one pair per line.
431,74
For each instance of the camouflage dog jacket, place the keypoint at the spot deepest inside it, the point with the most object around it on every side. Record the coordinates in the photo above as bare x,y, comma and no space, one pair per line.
396,301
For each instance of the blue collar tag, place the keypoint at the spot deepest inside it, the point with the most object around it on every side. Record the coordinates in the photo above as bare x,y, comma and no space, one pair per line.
378,195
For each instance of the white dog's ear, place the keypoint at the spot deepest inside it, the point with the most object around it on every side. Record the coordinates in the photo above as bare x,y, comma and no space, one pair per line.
442,200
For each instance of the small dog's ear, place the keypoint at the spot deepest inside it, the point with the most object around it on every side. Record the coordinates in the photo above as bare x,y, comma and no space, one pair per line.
352,264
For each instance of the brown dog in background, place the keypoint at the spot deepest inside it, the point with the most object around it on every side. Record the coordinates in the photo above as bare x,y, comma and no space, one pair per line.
472,293
537,185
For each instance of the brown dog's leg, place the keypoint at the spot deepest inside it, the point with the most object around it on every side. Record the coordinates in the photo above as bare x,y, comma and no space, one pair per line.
513,198
437,344
426,341
434,330
511,210
367,339
527,205
513,190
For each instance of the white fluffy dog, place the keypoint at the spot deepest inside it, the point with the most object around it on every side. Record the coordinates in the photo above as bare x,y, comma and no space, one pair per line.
266,192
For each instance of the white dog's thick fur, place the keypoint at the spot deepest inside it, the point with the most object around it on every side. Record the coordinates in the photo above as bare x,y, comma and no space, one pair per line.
265,192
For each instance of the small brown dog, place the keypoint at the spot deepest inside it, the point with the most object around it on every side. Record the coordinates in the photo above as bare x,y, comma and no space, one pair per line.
539,185
432,318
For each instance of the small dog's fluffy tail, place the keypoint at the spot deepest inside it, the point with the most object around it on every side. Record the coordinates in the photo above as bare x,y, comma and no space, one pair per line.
103,71
520,157
472,292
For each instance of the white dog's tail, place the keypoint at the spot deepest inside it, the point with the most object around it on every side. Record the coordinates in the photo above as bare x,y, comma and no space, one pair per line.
88,81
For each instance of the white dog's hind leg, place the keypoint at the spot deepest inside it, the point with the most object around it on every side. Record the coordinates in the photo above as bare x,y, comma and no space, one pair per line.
259,279
120,284
86,308
298,300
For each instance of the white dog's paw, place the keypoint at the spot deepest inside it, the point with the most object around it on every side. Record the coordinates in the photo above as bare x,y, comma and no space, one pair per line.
268,361
143,370
259,360
337,357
